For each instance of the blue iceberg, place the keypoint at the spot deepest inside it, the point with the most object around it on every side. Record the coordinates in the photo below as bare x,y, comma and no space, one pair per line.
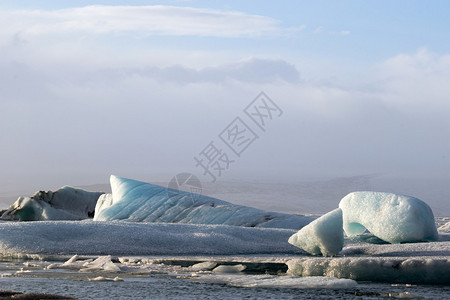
391,217
137,201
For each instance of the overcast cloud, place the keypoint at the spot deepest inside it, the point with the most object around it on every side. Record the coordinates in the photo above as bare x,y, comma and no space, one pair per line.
78,102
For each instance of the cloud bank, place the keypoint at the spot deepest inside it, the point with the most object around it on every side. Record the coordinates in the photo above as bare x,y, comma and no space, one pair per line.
78,106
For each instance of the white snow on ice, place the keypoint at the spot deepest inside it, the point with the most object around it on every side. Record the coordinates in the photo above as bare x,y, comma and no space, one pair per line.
229,269
385,269
425,262
131,238
102,263
219,244
445,228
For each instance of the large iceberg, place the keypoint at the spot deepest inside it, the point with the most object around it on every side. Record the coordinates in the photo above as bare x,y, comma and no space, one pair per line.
138,201
323,236
391,217
67,203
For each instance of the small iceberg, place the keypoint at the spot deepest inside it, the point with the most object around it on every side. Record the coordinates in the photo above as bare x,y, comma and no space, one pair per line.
67,203
323,236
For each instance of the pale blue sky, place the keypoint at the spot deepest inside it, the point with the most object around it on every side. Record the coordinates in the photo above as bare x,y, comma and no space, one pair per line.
138,88
376,28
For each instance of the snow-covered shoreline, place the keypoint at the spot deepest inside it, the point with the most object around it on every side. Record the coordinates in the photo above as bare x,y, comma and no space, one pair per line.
146,244
136,238
151,224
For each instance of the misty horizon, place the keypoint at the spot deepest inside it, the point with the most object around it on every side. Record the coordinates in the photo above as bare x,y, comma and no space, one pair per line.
142,92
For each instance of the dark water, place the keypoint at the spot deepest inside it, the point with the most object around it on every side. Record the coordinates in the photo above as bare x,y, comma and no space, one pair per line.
162,287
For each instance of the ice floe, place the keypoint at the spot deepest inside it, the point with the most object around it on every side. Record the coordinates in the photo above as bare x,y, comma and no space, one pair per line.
103,263
229,269
273,281
384,269
403,263
102,278
202,266
445,228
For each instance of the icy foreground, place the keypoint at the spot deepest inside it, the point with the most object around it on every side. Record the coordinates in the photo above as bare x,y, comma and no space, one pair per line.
399,263
67,203
391,217
323,236
222,247
125,238
137,201
394,269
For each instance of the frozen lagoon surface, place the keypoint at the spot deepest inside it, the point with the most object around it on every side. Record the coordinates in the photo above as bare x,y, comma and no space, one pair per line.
139,260
120,260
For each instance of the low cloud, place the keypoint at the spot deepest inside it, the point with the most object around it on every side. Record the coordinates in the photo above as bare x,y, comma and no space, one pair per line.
417,81
79,122
253,70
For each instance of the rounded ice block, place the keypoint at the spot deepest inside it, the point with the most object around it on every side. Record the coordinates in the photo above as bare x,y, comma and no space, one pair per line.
391,217
323,236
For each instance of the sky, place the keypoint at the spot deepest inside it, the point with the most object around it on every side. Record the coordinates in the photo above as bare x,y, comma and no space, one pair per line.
141,88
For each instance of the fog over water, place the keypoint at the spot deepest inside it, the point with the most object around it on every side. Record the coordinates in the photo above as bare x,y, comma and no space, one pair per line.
84,97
